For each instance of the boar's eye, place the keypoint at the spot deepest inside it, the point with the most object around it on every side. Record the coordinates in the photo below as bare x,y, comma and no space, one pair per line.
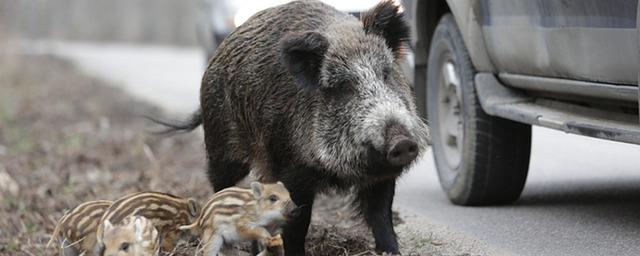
273,198
124,247
341,90
385,74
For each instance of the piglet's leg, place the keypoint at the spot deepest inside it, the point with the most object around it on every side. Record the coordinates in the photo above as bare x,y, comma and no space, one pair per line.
274,246
67,249
169,240
254,233
213,245
257,234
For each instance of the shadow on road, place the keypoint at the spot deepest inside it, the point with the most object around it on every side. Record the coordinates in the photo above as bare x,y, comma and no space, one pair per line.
598,207
622,193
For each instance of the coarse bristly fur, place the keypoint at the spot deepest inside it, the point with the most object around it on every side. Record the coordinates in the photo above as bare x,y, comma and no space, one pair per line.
314,97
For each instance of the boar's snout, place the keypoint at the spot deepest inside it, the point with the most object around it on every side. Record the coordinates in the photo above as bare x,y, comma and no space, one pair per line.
402,149
402,152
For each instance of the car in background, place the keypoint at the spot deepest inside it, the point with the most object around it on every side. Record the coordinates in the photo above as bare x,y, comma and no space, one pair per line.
218,18
486,70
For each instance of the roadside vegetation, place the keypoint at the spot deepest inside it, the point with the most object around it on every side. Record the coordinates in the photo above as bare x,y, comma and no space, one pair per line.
66,138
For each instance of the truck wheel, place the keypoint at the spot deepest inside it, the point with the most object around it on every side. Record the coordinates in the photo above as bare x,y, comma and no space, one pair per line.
481,159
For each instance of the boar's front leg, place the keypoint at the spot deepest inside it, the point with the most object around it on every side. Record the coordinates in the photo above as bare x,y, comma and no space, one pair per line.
375,206
295,231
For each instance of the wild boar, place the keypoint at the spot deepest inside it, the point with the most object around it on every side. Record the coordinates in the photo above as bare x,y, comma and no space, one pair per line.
313,97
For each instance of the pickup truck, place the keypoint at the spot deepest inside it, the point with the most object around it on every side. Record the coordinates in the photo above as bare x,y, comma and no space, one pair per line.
487,70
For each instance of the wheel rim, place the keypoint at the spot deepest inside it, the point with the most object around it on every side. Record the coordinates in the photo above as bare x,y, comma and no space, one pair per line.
449,113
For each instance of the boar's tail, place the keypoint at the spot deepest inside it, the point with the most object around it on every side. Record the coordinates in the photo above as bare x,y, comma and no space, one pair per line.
173,127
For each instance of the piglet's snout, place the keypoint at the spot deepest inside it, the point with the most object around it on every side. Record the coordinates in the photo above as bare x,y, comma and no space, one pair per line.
292,211
402,149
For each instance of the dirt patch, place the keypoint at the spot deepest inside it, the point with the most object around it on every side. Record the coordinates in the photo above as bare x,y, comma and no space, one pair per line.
66,138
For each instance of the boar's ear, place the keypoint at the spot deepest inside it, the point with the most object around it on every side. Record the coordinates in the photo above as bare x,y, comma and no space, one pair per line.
387,20
302,55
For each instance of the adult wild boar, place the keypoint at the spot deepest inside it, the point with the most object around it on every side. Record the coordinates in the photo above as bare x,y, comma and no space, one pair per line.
307,95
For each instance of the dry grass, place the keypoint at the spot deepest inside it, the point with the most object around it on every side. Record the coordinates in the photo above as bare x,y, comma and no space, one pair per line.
66,138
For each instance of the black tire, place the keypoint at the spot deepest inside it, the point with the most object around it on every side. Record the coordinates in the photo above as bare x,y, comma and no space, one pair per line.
493,152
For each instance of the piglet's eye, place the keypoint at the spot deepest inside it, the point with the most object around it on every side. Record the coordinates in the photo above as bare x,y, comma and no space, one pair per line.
124,247
273,198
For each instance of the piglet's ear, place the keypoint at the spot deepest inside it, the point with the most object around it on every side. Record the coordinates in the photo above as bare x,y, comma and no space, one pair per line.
387,20
257,189
107,226
194,207
302,55
139,227
99,250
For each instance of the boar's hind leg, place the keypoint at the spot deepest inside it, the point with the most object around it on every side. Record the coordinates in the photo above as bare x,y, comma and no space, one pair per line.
375,205
221,140
224,174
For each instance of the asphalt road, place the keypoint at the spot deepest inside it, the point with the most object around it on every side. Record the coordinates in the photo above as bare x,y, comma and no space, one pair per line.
582,195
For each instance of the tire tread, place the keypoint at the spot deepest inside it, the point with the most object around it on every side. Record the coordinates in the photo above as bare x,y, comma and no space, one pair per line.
495,157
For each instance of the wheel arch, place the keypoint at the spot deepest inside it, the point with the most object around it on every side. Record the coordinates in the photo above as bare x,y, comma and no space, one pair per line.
427,14
468,16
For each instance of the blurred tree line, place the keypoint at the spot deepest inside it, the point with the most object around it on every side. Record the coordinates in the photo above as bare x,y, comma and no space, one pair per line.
171,22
